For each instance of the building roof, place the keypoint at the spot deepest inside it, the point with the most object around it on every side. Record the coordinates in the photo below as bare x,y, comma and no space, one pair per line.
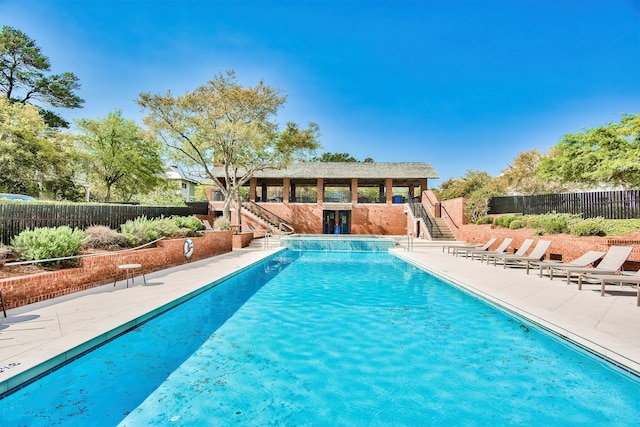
362,170
172,173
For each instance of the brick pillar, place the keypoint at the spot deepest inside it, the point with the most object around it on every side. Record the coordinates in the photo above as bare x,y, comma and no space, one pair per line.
320,190
286,189
252,189
354,190
388,182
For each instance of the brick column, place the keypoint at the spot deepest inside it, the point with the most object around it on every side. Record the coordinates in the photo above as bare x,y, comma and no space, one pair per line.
354,190
320,190
286,188
388,182
252,189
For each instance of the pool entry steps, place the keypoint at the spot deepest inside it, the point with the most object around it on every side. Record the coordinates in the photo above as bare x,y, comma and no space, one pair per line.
342,243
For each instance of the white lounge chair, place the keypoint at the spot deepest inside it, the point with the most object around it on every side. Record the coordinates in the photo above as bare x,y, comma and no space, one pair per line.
524,247
585,259
502,248
464,250
536,255
610,264
620,279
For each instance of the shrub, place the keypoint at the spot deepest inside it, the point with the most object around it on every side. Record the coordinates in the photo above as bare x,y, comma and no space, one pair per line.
103,237
47,243
487,219
504,221
190,222
166,227
557,223
4,251
222,223
532,221
588,227
139,231
515,224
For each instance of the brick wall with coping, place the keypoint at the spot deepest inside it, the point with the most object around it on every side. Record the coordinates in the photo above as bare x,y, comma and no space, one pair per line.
101,269
365,218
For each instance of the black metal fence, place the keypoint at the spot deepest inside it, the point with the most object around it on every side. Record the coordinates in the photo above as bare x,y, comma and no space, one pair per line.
15,218
607,204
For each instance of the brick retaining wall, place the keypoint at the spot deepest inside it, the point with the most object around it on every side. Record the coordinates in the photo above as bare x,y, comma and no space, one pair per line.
98,270
563,246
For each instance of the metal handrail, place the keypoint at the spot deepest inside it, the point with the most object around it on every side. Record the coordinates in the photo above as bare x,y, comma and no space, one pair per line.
421,213
442,208
267,215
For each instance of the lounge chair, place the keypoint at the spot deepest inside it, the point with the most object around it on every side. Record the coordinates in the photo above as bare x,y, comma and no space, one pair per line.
610,264
464,250
585,259
536,255
502,248
620,279
524,247
461,245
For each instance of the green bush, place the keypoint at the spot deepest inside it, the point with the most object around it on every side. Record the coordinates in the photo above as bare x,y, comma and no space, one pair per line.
588,227
47,243
487,219
103,237
531,221
504,221
515,224
222,223
190,222
166,227
139,231
558,223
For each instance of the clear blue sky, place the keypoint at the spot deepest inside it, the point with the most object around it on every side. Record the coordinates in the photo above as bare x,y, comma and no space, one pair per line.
462,84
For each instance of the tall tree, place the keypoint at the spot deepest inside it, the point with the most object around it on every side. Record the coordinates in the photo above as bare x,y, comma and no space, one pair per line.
608,154
222,122
522,177
339,157
34,159
119,156
24,78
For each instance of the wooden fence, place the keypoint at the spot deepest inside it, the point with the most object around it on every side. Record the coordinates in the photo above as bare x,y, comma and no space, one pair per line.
15,218
607,204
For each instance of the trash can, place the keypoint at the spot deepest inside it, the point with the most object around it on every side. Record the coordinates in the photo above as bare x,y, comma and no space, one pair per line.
397,199
336,229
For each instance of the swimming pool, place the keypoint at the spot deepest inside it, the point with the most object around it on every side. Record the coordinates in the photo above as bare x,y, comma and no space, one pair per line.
331,338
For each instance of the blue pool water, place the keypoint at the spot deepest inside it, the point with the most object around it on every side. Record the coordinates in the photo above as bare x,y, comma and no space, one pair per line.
331,338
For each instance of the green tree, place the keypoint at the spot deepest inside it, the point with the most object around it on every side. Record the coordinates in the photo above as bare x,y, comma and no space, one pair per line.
339,157
464,186
522,177
34,159
119,156
608,154
222,122
24,78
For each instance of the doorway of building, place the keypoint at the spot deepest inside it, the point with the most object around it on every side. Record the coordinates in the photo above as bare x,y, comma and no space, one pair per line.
336,222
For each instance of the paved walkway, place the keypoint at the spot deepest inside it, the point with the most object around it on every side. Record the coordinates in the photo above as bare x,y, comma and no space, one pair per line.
37,337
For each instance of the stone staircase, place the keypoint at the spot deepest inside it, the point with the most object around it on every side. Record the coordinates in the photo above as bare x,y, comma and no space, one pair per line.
441,230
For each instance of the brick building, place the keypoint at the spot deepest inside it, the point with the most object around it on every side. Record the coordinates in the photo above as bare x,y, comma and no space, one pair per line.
331,198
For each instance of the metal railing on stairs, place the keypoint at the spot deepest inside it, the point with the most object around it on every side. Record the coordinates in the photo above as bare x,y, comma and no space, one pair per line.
266,215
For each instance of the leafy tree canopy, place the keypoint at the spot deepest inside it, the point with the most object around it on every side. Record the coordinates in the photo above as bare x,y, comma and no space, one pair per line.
608,154
339,157
24,77
521,177
465,186
119,156
222,122
34,159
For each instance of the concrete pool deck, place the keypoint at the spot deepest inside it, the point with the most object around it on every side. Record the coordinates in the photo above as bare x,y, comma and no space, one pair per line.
35,338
